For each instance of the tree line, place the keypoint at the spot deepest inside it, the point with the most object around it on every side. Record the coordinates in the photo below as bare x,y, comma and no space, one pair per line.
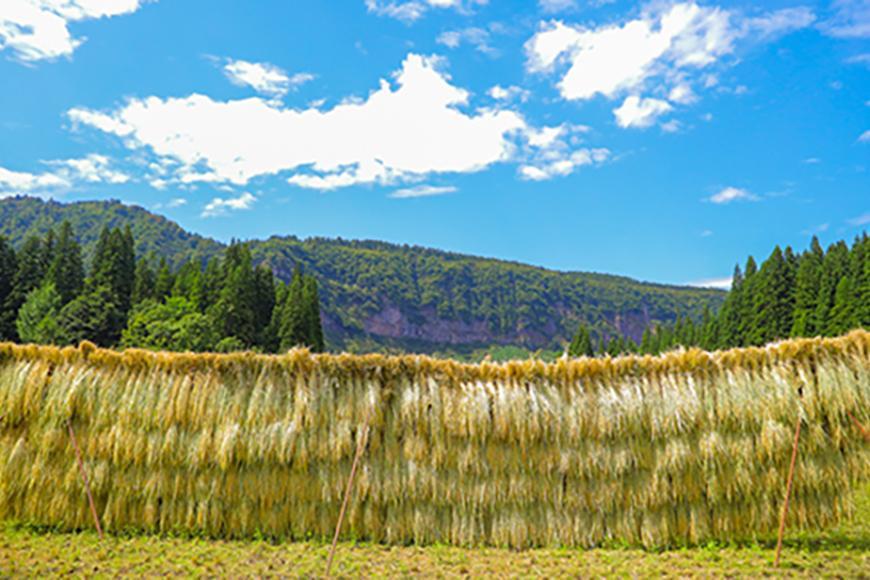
816,293
48,296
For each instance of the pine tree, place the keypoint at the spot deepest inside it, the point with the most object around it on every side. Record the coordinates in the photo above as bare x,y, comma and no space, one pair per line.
66,270
616,346
293,332
164,282
646,342
858,259
92,316
581,344
264,306
601,345
31,269
807,282
688,337
862,289
313,324
127,269
834,267
274,331
37,317
234,310
210,286
145,281
843,316
729,315
773,300
678,330
114,269
187,282
8,268
102,251
746,313
48,247
708,338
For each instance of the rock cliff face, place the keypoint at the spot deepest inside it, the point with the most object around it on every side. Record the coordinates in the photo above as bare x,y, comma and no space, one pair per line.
391,322
381,294
426,330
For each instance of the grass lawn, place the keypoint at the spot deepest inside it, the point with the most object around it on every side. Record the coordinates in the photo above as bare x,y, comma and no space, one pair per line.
25,551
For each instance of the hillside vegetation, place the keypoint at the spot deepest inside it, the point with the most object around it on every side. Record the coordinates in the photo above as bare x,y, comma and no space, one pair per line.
815,293
47,296
379,296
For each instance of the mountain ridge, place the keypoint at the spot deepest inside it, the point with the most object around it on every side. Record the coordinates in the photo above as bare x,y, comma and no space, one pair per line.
384,296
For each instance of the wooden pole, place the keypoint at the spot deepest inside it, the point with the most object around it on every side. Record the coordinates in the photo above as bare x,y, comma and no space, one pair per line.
794,451
860,427
72,436
359,449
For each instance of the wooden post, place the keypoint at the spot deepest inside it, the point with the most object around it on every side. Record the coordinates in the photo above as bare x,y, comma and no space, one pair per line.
797,434
359,449
860,427
72,436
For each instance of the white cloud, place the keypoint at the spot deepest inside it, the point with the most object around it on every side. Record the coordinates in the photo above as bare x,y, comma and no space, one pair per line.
864,137
410,10
780,22
851,19
422,191
38,29
613,59
730,194
821,228
20,182
812,160
554,152
706,233
663,49
264,77
173,203
219,206
66,174
93,168
395,134
479,38
640,113
720,283
682,94
863,58
554,6
565,165
509,93
861,220
672,126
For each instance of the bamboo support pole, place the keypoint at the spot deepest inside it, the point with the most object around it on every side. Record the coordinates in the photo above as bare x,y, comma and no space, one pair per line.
72,436
860,427
359,449
794,451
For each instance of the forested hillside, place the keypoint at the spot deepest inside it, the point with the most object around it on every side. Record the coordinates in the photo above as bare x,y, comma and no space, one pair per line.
378,296
814,293
48,296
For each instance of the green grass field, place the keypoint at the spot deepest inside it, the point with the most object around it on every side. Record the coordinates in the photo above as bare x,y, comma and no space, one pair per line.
25,551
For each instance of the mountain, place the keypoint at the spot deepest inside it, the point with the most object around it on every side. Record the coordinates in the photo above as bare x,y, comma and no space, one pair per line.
381,296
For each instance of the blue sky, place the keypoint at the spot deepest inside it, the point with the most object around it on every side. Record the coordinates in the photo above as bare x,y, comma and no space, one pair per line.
663,141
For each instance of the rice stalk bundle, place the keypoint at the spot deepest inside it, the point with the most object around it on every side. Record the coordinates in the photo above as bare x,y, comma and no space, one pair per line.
670,450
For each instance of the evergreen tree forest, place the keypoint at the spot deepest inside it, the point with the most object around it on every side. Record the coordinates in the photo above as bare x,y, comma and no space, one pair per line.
49,296
816,293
